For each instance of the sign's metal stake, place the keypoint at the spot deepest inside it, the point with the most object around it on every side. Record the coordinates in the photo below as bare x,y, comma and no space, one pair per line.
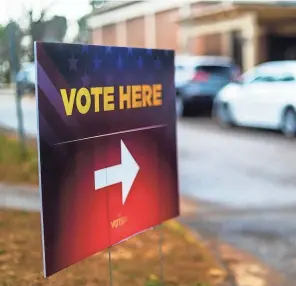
160,244
110,267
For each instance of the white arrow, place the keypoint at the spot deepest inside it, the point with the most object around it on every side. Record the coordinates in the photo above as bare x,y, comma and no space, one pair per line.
124,173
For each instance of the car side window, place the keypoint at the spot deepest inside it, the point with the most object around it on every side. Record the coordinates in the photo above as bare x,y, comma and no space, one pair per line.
264,78
265,75
256,75
286,78
269,74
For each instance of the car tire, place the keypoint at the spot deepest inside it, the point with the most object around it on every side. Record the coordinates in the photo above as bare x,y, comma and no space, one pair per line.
223,115
182,109
288,125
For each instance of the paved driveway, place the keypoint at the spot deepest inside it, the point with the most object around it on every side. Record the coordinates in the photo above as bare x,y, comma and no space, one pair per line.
246,180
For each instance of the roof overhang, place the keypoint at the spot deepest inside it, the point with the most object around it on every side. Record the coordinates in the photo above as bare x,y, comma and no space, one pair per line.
266,14
117,11
109,6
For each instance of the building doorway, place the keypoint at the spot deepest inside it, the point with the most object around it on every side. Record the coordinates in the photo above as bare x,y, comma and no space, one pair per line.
281,48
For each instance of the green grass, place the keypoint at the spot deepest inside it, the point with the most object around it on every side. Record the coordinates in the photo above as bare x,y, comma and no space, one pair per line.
14,167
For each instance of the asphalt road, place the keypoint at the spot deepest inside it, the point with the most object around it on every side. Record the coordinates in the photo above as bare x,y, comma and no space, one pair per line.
246,181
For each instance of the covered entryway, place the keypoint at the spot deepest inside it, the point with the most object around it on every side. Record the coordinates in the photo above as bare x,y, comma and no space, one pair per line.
250,34
281,47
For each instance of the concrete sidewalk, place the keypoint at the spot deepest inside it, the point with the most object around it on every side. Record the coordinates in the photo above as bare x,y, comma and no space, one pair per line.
27,198
19,197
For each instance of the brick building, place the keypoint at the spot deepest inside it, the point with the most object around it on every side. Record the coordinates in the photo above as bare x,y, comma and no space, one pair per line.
248,32
151,24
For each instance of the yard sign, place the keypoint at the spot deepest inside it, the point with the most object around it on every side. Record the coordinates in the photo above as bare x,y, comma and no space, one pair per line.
107,146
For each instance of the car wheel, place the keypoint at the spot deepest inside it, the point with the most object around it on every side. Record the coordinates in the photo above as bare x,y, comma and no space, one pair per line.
223,115
182,109
288,125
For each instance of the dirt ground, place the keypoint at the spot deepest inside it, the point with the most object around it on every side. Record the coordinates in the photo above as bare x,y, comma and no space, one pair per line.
134,262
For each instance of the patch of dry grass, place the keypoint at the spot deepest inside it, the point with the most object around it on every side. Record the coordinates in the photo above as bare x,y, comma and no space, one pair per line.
134,262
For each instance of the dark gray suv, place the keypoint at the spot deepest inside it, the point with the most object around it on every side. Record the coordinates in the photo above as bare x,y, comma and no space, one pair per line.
26,79
198,79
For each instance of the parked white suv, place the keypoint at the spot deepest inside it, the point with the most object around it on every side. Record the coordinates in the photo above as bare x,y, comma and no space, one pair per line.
265,97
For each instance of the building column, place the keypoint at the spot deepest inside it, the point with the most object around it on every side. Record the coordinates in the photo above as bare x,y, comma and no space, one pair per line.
183,37
226,44
250,35
121,34
150,31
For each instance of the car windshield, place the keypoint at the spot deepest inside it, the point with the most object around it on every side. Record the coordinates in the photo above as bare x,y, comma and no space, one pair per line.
221,71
